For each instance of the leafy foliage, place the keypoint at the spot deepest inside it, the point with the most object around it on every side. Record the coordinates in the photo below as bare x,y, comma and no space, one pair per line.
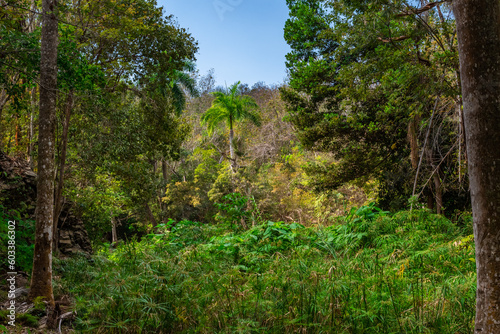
363,77
408,272
229,107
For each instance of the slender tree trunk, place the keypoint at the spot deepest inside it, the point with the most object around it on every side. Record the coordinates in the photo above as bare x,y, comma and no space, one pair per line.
32,23
231,147
424,148
114,235
438,189
430,199
478,27
41,279
3,100
164,170
31,130
439,192
412,138
18,133
62,165
151,217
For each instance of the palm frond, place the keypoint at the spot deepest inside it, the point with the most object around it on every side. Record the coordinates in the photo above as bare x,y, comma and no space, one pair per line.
213,117
229,105
179,99
188,83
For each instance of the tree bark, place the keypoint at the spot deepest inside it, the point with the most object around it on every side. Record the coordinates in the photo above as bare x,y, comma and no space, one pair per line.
164,170
438,189
462,144
231,147
18,133
62,165
150,215
41,279
31,130
478,27
3,100
430,199
114,234
412,138
439,192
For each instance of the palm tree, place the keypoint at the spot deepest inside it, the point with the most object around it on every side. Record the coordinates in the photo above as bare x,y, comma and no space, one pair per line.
230,106
181,83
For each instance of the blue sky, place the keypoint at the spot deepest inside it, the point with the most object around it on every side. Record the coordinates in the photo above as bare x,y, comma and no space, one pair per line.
242,40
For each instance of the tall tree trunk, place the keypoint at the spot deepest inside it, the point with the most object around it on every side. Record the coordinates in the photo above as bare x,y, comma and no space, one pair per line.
164,170
41,279
231,147
31,130
3,100
412,138
114,234
478,26
151,217
430,199
18,133
62,165
438,188
439,192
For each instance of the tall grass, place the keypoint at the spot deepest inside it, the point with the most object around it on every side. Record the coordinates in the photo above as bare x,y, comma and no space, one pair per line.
406,273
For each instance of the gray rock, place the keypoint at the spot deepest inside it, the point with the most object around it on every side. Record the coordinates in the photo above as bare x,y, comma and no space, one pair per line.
21,292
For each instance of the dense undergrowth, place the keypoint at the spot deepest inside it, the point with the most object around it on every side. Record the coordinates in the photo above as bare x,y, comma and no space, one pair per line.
411,272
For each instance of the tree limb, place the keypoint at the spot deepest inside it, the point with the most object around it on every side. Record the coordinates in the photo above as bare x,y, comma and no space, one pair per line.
421,10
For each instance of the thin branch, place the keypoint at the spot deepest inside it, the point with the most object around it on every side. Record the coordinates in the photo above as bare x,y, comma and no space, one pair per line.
421,10
425,145
38,13
393,39
437,168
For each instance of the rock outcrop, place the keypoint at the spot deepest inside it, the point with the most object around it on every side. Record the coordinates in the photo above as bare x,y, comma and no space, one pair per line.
17,184
18,192
73,236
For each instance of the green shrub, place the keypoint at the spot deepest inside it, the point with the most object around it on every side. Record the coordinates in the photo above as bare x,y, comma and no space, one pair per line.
26,319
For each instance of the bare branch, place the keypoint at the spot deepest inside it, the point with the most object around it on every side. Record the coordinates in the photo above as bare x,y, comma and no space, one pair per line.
421,10
393,39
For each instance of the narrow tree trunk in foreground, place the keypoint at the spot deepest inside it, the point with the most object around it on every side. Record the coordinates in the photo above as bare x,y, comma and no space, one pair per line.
41,279
478,26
